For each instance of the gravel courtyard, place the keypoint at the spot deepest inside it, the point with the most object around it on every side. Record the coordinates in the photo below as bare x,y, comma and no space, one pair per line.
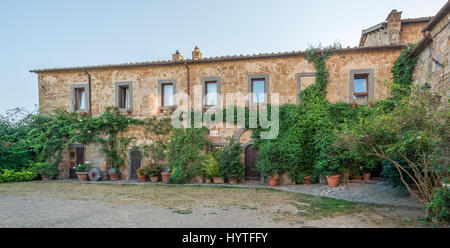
56,204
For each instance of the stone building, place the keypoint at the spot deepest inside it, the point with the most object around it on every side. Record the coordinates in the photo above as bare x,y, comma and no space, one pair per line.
146,88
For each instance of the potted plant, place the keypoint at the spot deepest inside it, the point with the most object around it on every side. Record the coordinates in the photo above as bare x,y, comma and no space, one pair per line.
273,180
211,168
142,177
271,162
230,162
356,172
113,174
165,174
47,170
307,180
82,171
153,170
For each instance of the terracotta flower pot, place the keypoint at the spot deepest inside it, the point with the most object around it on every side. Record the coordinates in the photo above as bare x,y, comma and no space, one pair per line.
154,179
142,178
82,176
357,178
333,181
233,180
165,176
218,180
45,178
366,176
354,105
127,112
114,177
307,180
273,182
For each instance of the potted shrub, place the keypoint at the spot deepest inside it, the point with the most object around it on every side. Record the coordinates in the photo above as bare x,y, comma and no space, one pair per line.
356,172
271,162
82,171
165,174
273,180
307,180
211,168
142,177
366,176
113,174
153,171
47,170
230,162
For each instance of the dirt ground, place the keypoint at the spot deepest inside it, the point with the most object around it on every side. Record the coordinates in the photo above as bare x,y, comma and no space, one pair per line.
51,204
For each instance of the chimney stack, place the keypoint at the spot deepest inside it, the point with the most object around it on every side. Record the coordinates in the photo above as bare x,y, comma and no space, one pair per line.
177,56
196,54
394,26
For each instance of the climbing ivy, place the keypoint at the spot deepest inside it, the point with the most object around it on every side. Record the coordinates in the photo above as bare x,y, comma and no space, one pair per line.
402,73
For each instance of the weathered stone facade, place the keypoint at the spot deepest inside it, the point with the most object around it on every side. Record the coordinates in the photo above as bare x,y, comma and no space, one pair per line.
433,56
289,73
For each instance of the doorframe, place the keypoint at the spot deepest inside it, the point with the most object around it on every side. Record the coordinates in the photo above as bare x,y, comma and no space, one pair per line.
129,160
244,146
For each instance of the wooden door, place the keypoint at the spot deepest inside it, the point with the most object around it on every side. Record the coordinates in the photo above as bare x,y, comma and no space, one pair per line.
135,163
79,159
251,172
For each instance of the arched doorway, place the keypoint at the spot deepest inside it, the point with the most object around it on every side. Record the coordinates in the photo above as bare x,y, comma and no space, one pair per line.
251,172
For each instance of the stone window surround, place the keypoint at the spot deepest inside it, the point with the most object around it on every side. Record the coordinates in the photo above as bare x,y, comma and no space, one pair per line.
371,84
218,81
130,95
299,82
167,81
250,78
72,97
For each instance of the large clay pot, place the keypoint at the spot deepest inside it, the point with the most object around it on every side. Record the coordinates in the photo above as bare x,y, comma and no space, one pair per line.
218,180
82,176
307,180
142,178
333,181
154,179
233,180
165,176
273,182
114,177
366,176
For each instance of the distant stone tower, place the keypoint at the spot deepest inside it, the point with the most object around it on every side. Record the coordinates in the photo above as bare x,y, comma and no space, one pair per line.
177,56
196,54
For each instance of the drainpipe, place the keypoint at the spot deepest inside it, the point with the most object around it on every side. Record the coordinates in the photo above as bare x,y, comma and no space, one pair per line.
89,89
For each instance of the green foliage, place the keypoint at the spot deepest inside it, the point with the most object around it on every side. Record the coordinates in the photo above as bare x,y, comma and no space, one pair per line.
439,208
391,173
8,176
178,176
402,73
186,149
83,167
211,166
272,159
151,170
230,161
46,168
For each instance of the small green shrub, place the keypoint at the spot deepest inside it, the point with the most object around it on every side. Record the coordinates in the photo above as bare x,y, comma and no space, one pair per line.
46,168
151,170
83,167
211,166
178,176
24,175
230,161
439,207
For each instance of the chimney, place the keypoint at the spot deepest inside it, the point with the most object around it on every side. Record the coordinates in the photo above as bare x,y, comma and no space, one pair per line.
177,56
394,26
196,54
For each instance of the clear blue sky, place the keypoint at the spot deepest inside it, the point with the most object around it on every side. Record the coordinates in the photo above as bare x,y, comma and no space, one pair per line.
45,33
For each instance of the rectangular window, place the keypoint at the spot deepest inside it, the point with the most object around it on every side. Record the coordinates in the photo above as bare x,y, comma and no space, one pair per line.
257,89
360,85
167,94
80,99
211,93
124,98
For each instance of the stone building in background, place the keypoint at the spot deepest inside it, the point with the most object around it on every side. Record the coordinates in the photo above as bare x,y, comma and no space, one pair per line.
146,89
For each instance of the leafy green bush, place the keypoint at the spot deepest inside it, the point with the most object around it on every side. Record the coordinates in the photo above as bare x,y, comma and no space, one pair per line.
83,167
230,161
272,159
211,166
178,176
17,176
439,208
46,168
391,173
151,170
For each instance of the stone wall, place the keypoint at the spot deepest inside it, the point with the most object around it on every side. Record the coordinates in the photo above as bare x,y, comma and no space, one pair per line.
433,62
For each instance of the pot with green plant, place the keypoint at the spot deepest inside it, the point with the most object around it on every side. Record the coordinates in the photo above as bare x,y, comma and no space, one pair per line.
356,172
47,170
271,162
230,162
211,168
113,174
82,171
165,174
153,170
142,177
